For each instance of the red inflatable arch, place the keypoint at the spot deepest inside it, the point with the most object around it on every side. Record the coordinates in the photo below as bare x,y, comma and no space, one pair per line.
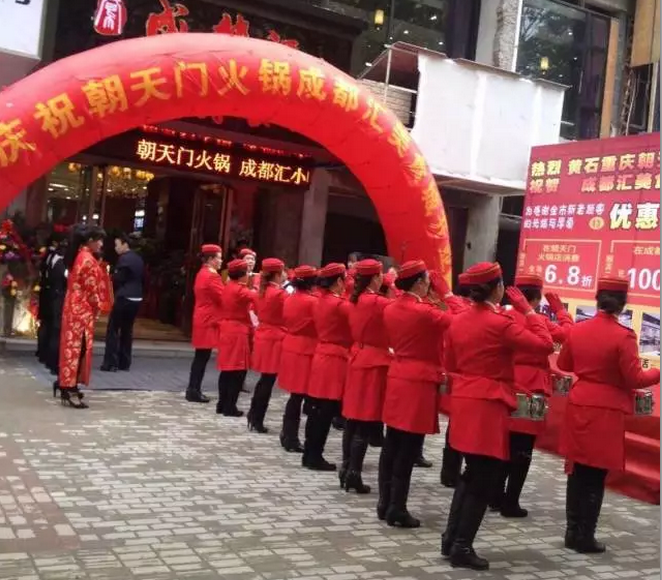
78,101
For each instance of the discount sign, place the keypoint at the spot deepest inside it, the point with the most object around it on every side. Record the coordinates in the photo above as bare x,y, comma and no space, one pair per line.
593,209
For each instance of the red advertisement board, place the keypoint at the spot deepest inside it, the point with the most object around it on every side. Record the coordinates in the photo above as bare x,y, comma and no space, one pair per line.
593,209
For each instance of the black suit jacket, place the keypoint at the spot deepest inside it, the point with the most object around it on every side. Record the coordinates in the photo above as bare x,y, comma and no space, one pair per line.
128,277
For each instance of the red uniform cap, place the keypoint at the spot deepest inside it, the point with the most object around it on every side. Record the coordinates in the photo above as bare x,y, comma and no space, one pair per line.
482,273
305,272
210,249
247,252
272,265
462,279
237,266
333,269
529,280
412,268
368,267
613,284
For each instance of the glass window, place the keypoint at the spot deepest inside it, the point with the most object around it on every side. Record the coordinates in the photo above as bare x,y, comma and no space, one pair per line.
68,193
567,45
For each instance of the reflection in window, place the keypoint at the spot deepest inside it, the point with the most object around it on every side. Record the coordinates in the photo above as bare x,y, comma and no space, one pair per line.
418,22
569,46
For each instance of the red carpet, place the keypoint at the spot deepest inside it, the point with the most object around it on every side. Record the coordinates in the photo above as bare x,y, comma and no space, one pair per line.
641,478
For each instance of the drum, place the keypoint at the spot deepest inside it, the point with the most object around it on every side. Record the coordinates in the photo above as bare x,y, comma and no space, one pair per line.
531,408
643,402
562,384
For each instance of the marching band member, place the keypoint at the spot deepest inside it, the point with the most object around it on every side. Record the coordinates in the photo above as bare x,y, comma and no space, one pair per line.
208,292
532,376
604,355
233,342
328,371
451,459
480,345
297,353
250,257
413,328
268,339
365,388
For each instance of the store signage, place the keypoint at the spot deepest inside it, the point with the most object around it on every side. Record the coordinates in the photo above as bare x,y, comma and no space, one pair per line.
221,163
22,26
172,19
593,209
110,17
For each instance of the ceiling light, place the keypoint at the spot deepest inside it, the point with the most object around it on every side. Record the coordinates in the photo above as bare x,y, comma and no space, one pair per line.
379,17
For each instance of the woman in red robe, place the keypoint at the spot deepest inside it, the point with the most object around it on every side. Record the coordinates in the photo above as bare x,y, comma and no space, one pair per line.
369,360
328,370
297,353
208,292
480,347
234,343
81,309
604,355
268,339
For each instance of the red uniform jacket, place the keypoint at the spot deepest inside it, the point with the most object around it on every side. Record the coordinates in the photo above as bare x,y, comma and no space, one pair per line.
480,348
81,309
208,291
605,357
328,371
271,330
414,329
234,351
299,342
370,358
532,371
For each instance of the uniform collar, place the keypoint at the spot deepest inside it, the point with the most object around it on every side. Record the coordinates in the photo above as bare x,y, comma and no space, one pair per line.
415,296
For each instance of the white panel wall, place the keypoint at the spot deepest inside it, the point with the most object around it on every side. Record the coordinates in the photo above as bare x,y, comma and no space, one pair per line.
479,123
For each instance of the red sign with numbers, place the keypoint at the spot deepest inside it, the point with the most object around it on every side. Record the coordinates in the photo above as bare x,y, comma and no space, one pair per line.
593,209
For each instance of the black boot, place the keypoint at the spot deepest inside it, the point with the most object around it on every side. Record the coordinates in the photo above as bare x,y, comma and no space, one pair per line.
572,511
289,435
384,481
496,500
260,403
347,436
590,513
451,466
448,537
518,468
222,394
376,438
397,514
317,430
358,449
462,554
233,388
422,462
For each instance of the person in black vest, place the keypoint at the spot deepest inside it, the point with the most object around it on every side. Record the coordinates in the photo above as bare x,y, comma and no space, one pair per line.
57,288
128,289
44,314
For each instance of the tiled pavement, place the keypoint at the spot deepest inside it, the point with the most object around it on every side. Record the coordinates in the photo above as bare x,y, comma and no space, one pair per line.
145,486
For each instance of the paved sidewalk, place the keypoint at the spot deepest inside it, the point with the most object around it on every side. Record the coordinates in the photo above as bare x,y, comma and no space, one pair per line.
145,486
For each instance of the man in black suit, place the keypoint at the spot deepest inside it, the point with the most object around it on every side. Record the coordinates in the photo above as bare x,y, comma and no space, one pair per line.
128,290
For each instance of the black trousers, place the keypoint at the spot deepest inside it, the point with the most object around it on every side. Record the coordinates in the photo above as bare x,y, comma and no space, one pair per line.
229,387
119,335
356,438
197,373
396,463
291,420
321,413
261,398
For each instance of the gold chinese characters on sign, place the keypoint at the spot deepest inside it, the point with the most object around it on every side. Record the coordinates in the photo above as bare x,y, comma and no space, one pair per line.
227,164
